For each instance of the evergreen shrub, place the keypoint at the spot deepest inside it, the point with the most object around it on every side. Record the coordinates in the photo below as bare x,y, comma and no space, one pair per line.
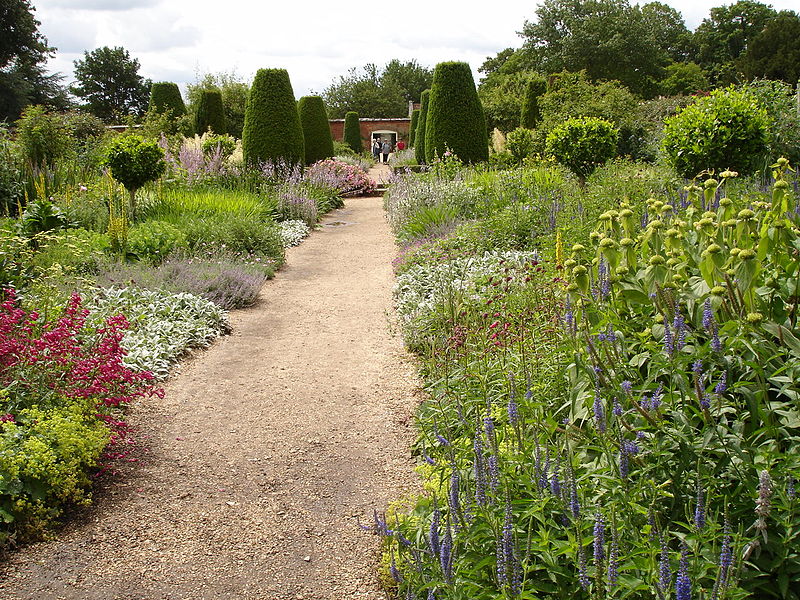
352,132
316,129
272,130
413,127
531,113
455,119
210,113
419,136
166,97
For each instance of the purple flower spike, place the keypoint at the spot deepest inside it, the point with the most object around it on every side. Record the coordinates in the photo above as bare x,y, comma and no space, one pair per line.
613,559
683,585
599,412
664,568
599,539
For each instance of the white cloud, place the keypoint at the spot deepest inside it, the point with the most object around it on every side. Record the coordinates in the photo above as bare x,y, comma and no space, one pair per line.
102,5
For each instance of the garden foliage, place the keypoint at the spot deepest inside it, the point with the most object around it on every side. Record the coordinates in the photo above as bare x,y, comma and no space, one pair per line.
531,112
209,113
582,144
455,119
413,126
165,98
419,135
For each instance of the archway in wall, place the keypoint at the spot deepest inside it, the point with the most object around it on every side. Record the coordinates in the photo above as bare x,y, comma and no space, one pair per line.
384,135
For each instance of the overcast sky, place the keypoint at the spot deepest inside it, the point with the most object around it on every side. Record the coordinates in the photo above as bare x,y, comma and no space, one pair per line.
315,40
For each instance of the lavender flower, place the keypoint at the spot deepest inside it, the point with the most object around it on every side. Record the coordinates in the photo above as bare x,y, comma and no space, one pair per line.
664,568
453,499
604,284
617,407
395,573
669,341
431,594
763,503
725,561
494,473
683,585
569,316
555,483
708,314
624,465
627,387
705,402
513,409
599,412
722,384
710,325
679,324
655,401
697,368
428,459
574,501
488,426
508,568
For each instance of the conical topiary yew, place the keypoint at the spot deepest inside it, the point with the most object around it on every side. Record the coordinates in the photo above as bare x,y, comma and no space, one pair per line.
413,126
272,130
352,132
419,136
455,119
210,113
531,112
165,96
316,129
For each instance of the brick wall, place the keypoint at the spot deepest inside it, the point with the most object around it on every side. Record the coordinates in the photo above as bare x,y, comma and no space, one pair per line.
400,126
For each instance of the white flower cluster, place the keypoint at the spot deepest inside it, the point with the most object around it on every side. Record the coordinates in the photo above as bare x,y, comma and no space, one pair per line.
293,232
424,287
163,326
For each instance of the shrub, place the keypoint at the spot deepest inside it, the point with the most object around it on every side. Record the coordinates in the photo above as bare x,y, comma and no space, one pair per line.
74,251
345,178
683,78
778,99
582,144
316,129
224,145
43,137
272,130
455,119
11,189
134,162
210,114
531,113
165,98
520,143
413,127
352,132
419,135
726,130
153,241
235,233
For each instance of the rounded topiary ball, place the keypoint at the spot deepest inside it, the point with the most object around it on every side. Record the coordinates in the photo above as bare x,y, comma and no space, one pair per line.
726,130
582,144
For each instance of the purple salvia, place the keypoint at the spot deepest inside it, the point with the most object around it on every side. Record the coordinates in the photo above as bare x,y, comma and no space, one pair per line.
699,509
427,458
683,585
446,555
725,561
655,401
664,567
679,325
708,315
480,471
627,387
624,464
574,501
513,409
669,341
630,447
697,368
705,402
599,412
722,384
494,473
544,479
395,573
616,407
613,559
569,317
432,594
453,499
488,427
555,483
583,575
599,539
433,536
510,568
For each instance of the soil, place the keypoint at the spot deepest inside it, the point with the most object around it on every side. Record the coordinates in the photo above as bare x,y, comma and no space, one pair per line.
268,450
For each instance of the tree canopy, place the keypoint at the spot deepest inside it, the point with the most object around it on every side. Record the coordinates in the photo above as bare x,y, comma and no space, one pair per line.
378,92
23,52
774,53
109,83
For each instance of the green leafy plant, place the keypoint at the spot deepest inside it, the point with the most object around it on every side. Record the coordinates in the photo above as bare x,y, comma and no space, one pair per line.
43,137
531,112
728,129
316,129
520,143
582,144
153,241
352,132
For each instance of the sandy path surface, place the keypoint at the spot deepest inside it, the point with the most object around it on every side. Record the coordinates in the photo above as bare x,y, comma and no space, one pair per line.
265,452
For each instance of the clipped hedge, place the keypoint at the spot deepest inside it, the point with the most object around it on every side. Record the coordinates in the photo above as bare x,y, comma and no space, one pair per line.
272,129
419,136
455,119
352,132
413,126
531,112
166,97
210,113
316,129
728,129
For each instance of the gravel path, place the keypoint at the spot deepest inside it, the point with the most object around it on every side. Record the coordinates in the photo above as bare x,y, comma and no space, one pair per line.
265,453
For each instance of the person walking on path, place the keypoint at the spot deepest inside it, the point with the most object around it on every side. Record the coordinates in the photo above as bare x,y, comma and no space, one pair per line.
376,149
385,149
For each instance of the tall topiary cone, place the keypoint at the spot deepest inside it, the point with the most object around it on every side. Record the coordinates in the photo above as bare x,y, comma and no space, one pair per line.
413,126
455,119
210,113
316,129
419,135
272,130
352,132
531,113
165,96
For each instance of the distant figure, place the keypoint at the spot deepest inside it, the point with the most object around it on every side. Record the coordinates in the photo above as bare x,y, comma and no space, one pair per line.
376,149
385,149
401,145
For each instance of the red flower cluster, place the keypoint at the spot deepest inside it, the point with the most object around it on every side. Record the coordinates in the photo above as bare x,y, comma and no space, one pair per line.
59,361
